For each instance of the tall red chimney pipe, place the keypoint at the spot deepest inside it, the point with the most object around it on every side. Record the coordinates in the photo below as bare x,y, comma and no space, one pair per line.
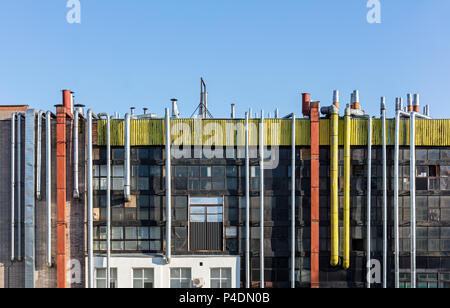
306,101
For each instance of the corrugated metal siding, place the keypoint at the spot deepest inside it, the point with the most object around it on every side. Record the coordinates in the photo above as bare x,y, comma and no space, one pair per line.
206,236
278,132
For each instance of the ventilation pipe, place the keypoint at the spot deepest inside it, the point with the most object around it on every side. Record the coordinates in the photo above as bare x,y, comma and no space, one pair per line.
383,119
412,115
399,113
247,202
409,102
127,187
293,167
108,202
347,157
233,111
416,103
13,184
261,198
277,113
175,112
168,188
48,184
306,100
90,203
76,192
413,196
39,156
336,99
145,111
315,170
334,163
356,100
369,205
19,186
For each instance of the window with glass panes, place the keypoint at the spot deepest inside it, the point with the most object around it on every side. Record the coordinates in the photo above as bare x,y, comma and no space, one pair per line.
205,178
427,281
180,278
101,280
143,278
220,278
135,224
405,281
444,281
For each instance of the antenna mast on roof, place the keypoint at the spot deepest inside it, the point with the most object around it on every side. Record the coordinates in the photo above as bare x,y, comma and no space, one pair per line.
202,108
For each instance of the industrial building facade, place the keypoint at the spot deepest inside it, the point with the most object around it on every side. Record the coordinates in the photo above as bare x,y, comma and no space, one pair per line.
90,200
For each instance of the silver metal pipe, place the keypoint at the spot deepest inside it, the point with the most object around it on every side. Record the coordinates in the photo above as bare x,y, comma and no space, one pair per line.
127,188
168,188
261,197
247,202
413,197
19,187
39,156
277,113
383,118
396,207
233,111
30,198
293,167
108,202
76,192
369,201
48,184
13,184
90,203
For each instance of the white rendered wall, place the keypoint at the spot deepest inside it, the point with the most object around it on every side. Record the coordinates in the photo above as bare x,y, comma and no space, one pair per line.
125,266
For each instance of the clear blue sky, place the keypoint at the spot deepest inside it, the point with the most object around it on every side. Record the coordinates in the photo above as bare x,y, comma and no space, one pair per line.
255,53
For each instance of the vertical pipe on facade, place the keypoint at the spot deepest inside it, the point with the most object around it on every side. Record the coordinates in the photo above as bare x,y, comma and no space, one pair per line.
261,197
383,119
369,205
90,202
61,187
315,193
108,202
396,206
19,187
334,163
413,197
247,202
39,155
48,184
347,161
293,167
13,184
127,188
168,188
76,192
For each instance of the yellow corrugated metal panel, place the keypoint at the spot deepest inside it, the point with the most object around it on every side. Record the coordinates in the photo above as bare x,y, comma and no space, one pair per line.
432,133
324,133
144,132
278,132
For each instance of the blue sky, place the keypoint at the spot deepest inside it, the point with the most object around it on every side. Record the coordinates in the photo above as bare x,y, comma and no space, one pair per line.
254,53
